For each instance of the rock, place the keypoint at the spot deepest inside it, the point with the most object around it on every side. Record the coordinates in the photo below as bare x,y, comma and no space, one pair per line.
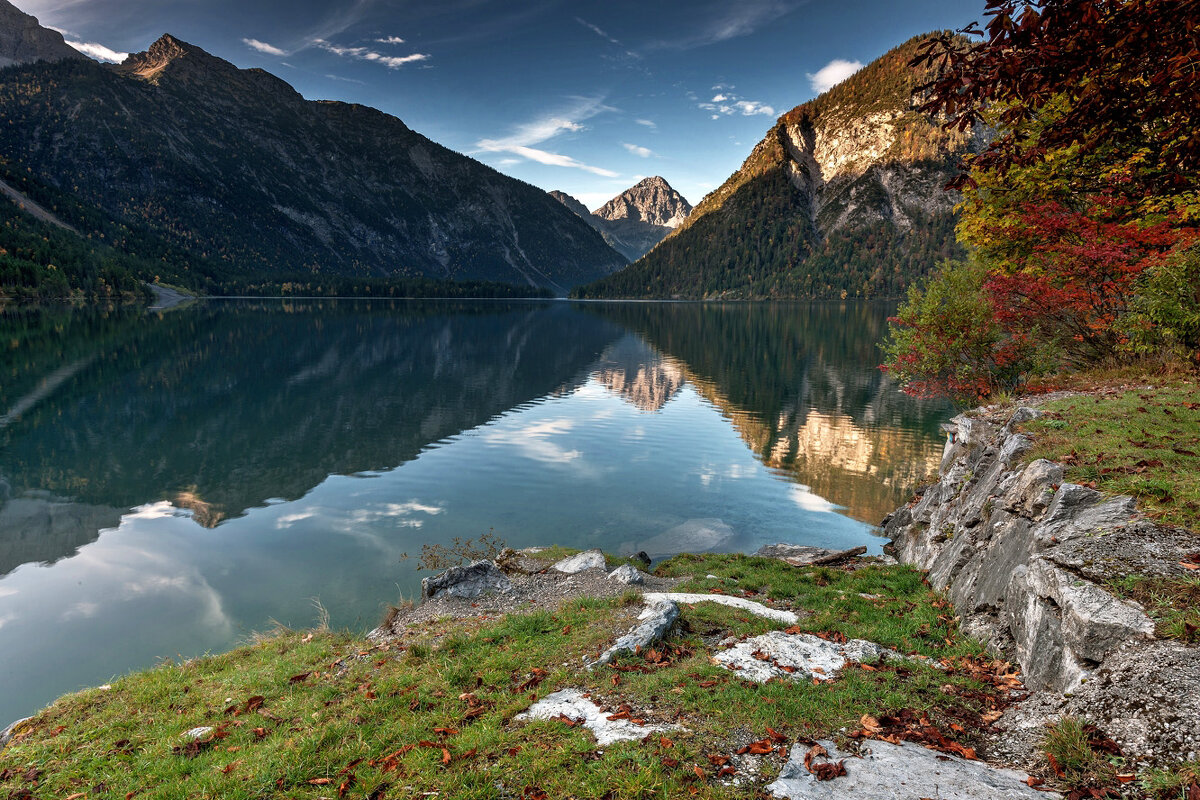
640,559
196,733
799,555
901,772
470,581
626,573
805,657
572,704
657,618
16,729
757,609
588,559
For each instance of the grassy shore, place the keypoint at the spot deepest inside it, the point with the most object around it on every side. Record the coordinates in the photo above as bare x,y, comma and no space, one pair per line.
326,714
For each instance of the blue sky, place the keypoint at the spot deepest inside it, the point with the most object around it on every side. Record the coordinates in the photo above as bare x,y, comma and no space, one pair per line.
583,96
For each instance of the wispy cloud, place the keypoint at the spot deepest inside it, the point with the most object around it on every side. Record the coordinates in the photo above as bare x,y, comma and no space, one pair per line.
832,74
390,40
98,51
366,54
263,47
726,103
647,123
521,142
643,152
725,21
596,29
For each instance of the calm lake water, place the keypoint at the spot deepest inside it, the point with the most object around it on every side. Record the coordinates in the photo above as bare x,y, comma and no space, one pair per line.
171,482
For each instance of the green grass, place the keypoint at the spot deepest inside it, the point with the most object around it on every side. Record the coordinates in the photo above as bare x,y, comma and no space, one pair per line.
341,717
1173,603
1143,442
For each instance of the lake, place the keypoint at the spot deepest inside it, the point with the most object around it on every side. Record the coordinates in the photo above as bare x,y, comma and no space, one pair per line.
172,482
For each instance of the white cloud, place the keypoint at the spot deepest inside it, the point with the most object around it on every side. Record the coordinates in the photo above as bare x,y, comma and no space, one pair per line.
521,142
533,441
390,40
647,123
832,74
643,152
99,51
726,103
365,54
263,47
732,21
333,77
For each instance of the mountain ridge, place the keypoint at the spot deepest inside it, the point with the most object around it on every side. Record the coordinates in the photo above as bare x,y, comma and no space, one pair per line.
236,167
842,197
24,40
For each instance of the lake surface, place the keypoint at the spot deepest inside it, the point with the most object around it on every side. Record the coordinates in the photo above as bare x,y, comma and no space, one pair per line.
171,482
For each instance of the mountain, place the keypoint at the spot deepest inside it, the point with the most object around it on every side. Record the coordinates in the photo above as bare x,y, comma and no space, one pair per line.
246,180
843,197
24,41
636,220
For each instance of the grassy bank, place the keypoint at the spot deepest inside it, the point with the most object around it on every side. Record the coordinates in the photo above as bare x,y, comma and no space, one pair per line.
1139,438
327,714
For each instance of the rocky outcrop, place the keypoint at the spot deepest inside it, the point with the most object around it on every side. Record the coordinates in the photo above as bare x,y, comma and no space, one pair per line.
23,40
636,220
1027,558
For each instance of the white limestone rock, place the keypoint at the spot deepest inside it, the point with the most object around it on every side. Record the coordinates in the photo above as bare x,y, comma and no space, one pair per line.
572,704
798,656
901,772
627,574
588,559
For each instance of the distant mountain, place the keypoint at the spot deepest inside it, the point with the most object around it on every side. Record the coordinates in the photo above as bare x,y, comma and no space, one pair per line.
843,197
23,40
636,220
238,171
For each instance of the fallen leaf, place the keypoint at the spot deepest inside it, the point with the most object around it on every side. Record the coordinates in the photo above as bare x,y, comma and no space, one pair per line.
320,781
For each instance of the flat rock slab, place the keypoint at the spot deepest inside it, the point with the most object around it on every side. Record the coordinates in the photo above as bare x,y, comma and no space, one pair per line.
757,609
901,772
21,726
588,559
572,704
800,555
798,656
470,581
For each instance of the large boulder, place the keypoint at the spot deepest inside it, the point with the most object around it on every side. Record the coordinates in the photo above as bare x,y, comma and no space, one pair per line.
588,559
470,581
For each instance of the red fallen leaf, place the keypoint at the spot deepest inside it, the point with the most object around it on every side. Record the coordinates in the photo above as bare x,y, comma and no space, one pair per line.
346,769
445,756
823,772
230,767
57,731
1186,565
260,733
759,748
446,731
1053,762
379,791
776,735
699,771
1032,781
669,762
616,679
76,796
723,771
563,718
320,781
793,630
427,743
718,760
664,742
637,720
1193,791
303,676
707,684
618,715
470,753
1126,778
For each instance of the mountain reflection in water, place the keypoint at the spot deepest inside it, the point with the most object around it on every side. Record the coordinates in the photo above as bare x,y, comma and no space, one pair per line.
170,481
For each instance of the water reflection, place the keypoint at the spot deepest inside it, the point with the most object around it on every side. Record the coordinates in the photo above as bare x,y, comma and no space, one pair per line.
169,483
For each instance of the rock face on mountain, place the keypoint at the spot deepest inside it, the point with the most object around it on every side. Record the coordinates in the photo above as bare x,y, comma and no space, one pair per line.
843,197
24,41
234,165
636,220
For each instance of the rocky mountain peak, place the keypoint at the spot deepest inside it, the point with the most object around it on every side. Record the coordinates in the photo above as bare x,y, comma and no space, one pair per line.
651,200
23,40
165,52
573,204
